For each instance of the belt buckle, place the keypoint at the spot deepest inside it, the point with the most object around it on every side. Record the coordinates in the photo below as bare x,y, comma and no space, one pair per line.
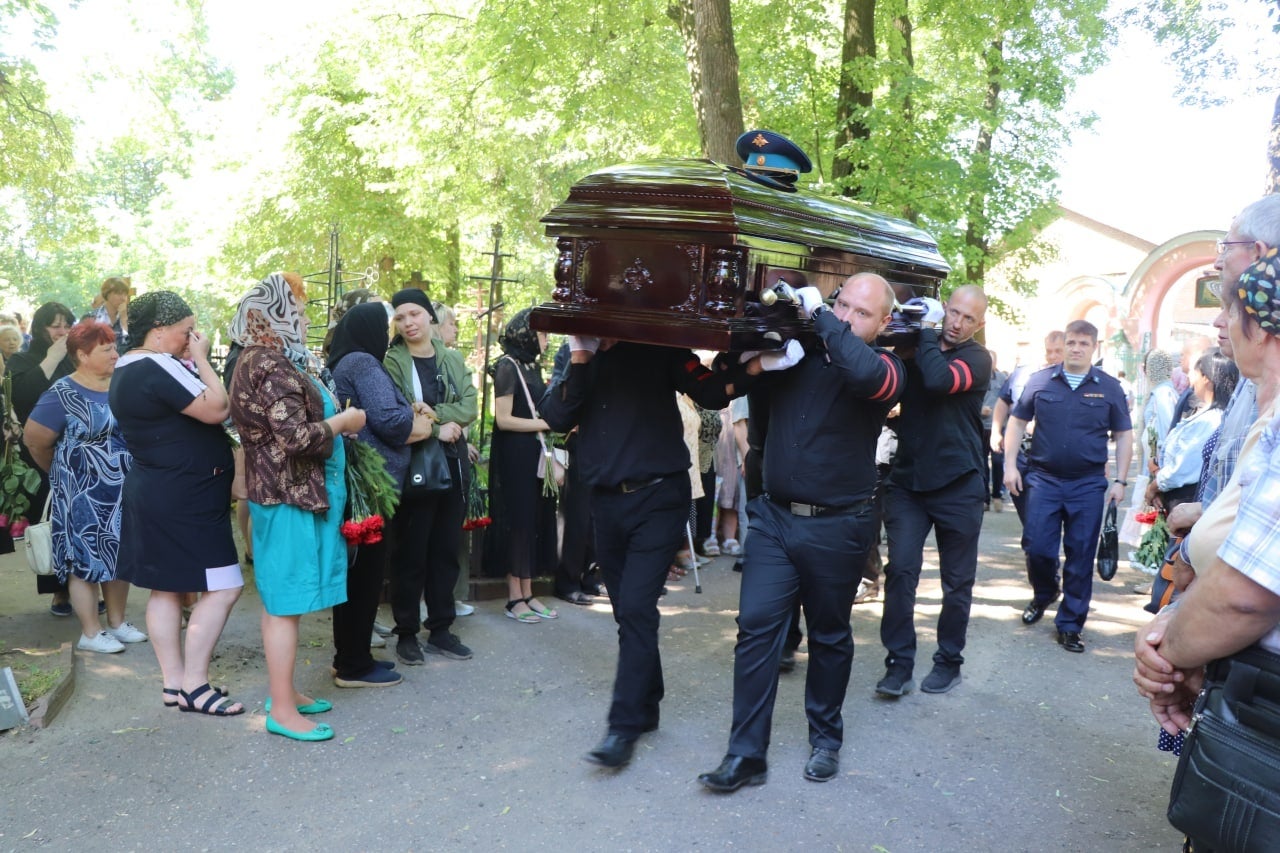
803,510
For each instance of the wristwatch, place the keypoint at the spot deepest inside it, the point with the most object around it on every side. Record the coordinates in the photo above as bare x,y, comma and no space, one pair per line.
1121,482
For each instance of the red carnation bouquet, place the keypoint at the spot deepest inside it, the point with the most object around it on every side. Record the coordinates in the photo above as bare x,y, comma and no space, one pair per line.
478,499
371,495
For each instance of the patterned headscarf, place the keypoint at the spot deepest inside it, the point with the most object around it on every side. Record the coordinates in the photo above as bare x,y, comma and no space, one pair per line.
519,341
269,316
155,310
1259,294
1159,367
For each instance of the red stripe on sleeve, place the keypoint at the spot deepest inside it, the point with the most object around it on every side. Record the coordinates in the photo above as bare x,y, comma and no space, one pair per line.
963,377
890,386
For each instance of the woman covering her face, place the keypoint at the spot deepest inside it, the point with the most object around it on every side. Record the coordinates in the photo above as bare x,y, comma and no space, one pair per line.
175,528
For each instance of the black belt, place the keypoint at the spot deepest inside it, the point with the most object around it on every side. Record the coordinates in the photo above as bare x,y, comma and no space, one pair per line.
813,510
626,487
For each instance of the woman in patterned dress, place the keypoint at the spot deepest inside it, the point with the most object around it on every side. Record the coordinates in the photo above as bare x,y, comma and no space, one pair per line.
73,436
286,409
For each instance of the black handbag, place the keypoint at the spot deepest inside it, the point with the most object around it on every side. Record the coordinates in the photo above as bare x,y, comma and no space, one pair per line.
1226,791
428,469
1109,545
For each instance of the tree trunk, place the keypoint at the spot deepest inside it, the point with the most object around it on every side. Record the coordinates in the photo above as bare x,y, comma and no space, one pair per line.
707,29
902,23
854,95
1273,152
976,238
453,242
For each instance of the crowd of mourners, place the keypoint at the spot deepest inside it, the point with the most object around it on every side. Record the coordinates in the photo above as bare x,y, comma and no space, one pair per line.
143,448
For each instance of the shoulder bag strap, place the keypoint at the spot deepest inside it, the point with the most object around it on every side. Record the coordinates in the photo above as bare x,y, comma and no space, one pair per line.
528,397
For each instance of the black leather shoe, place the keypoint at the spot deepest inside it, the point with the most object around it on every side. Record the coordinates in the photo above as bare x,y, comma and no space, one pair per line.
734,772
1032,613
823,765
896,681
1070,640
787,662
613,751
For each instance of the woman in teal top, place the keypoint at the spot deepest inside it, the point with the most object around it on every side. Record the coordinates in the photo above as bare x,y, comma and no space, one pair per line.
287,413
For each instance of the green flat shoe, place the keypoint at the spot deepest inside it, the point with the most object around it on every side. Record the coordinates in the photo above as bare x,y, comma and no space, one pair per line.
320,706
320,732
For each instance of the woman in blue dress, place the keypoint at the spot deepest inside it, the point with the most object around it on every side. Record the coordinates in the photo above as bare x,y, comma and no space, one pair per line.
72,435
285,407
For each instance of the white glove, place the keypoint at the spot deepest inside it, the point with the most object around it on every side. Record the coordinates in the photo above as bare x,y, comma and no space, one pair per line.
933,310
789,356
810,298
583,344
748,355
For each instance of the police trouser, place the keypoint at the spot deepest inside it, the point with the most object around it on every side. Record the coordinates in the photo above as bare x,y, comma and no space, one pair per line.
955,514
819,561
637,534
1066,512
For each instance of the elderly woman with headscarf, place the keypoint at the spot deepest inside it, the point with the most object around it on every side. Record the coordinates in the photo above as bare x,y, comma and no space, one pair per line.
175,526
522,540
355,357
286,409
428,527
1157,413
1233,550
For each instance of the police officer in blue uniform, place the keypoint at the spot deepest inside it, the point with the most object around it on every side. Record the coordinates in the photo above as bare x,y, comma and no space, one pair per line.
1076,408
812,529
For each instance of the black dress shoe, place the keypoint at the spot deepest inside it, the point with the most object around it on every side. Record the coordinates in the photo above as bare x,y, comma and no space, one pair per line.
613,751
823,765
1070,640
734,772
1032,612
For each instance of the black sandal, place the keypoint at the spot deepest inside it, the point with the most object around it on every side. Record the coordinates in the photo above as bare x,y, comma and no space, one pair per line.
214,705
174,692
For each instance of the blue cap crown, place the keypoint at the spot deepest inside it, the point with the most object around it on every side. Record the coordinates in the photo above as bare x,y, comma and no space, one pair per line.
773,155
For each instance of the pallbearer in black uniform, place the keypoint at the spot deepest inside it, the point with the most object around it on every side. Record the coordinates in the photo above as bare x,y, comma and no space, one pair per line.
631,452
812,529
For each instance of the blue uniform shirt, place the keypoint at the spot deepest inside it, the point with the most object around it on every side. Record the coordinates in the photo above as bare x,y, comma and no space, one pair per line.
1072,427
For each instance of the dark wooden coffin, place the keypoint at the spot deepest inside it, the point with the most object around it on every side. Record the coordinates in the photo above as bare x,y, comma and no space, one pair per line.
678,252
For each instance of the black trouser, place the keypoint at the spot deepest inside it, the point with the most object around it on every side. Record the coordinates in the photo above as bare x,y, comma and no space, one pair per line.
576,551
1020,505
955,514
874,566
353,620
636,540
817,561
424,558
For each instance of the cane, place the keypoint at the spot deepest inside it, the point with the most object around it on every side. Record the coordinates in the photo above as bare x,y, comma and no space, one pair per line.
697,583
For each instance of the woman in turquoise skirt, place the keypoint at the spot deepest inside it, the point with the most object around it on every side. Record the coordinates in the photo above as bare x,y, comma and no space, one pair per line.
285,408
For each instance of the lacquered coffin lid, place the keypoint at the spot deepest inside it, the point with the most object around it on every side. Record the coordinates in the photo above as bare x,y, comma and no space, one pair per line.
701,195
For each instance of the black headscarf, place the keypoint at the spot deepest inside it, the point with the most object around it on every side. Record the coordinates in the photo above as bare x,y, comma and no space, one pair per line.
362,329
155,310
519,341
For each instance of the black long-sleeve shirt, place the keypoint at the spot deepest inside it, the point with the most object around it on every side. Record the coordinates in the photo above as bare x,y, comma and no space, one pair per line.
940,430
825,416
623,402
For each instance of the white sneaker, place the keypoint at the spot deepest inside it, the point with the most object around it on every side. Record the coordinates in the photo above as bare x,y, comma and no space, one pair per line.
731,548
382,630
461,608
127,632
377,641
103,642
